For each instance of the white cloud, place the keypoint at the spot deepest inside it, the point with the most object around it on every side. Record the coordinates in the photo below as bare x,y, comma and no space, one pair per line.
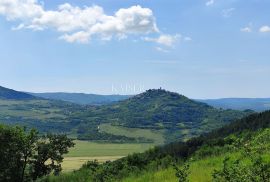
20,9
264,29
80,37
226,13
81,24
246,29
210,2
166,40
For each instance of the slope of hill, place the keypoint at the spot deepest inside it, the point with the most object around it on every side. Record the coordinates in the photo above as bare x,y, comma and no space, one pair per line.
154,116
6,93
256,104
81,98
236,152
176,116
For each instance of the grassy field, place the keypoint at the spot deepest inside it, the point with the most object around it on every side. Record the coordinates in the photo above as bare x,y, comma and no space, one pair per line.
30,109
156,136
200,171
85,151
72,163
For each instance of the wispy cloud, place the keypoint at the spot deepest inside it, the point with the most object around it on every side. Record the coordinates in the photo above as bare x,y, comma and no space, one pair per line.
187,39
166,40
78,24
210,2
246,29
226,13
160,49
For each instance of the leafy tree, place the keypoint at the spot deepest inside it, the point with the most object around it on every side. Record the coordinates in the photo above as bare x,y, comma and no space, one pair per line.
26,156
49,155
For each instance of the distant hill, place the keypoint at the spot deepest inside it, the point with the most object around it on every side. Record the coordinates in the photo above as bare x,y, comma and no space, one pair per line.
6,93
81,98
171,113
256,104
157,115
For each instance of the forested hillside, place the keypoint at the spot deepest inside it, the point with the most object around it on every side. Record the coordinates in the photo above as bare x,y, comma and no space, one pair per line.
176,116
236,152
165,115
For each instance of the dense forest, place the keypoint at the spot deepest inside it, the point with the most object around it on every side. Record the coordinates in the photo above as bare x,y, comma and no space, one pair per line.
159,110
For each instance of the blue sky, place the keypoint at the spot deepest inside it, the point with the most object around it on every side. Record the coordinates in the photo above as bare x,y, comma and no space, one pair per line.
199,48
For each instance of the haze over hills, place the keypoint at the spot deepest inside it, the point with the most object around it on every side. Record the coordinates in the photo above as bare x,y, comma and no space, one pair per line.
6,93
161,113
256,104
82,98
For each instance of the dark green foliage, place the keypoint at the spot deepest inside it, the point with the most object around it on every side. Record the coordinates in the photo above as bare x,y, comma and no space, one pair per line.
252,122
93,134
162,110
182,173
229,138
16,147
237,171
26,156
178,117
113,171
249,166
50,149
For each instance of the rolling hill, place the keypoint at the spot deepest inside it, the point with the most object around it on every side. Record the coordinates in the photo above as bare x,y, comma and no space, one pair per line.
81,98
153,116
256,104
173,115
10,94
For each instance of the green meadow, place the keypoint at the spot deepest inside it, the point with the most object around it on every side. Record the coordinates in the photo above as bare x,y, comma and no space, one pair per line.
154,135
84,151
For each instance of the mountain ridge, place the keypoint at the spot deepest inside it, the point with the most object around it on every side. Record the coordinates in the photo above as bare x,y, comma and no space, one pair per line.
82,98
10,94
256,104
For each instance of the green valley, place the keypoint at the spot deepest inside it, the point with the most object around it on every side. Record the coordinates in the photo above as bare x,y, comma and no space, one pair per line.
155,116
237,152
147,137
